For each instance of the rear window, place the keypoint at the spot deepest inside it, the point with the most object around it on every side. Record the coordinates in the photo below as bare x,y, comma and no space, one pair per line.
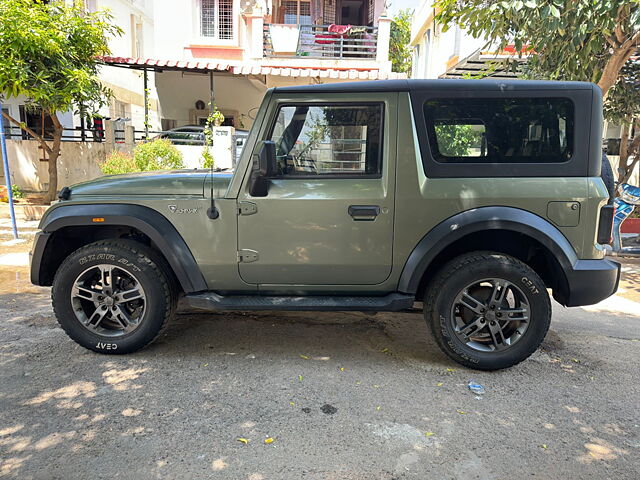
499,130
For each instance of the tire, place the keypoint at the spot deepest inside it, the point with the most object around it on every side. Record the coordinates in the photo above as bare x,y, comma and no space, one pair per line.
606,173
114,296
468,332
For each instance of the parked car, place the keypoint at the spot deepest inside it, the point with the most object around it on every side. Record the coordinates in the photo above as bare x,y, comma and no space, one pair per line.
474,198
186,135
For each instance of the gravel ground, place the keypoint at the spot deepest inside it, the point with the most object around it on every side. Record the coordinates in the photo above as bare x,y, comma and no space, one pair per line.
342,395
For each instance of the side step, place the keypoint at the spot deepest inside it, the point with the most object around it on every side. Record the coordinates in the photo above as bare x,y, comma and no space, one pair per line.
392,302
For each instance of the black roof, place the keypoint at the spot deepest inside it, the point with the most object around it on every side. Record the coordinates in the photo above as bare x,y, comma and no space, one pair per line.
438,84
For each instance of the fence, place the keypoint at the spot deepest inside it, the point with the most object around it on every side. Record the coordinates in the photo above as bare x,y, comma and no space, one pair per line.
79,160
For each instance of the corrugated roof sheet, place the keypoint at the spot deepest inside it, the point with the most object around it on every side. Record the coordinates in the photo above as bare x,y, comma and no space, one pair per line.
251,69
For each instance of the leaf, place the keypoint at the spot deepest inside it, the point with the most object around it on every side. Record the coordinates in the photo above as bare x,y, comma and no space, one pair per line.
554,11
242,440
461,412
300,377
342,369
429,434
384,350
439,384
268,440
293,404
304,356
378,407
544,446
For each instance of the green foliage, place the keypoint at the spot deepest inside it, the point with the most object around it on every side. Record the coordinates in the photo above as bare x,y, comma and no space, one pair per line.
623,101
399,48
17,192
48,53
159,154
118,162
457,140
212,118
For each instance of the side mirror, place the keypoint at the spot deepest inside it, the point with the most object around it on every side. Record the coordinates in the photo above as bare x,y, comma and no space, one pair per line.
264,168
267,159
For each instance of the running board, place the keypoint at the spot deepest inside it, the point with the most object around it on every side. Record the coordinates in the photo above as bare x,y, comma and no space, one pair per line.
392,302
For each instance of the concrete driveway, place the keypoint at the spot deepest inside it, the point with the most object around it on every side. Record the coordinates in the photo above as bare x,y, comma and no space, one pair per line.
315,396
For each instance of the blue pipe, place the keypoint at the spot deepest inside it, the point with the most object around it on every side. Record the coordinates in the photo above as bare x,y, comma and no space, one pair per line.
7,175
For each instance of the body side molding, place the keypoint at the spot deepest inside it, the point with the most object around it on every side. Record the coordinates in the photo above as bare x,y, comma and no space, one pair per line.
479,219
148,221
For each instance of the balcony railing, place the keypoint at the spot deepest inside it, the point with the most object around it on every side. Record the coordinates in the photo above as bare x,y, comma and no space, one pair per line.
331,42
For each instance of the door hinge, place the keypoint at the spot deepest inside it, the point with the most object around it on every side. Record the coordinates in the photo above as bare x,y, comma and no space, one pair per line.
247,208
247,256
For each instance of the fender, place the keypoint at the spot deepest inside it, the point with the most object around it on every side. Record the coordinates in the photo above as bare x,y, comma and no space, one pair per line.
148,221
479,219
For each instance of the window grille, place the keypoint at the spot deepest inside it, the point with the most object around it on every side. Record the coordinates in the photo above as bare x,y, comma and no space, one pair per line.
217,19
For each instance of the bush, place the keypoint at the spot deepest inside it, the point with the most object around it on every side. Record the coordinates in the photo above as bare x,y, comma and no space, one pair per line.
118,162
17,191
159,154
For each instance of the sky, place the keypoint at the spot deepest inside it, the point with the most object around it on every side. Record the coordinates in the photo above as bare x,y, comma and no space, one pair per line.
396,5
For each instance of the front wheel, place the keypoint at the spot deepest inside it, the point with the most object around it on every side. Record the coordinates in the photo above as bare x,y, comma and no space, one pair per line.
487,310
113,296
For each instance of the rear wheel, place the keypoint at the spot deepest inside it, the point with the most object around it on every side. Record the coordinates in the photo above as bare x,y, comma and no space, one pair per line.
113,296
487,310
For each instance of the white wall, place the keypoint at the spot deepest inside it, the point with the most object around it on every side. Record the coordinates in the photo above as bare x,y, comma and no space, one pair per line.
128,85
430,59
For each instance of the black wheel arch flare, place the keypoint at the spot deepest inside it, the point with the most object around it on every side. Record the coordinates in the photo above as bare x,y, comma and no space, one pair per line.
148,221
481,219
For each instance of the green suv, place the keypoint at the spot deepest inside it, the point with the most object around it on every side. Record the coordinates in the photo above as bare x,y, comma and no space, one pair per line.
475,198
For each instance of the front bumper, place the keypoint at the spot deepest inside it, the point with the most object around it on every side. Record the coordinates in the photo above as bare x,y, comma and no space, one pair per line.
590,281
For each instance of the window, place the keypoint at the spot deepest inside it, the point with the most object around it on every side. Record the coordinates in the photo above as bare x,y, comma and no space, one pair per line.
297,12
499,130
217,20
328,140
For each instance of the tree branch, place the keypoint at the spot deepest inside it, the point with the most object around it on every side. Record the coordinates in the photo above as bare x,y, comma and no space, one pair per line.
620,36
631,43
24,127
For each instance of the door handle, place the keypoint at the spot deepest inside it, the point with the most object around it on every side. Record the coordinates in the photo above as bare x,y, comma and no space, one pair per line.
364,213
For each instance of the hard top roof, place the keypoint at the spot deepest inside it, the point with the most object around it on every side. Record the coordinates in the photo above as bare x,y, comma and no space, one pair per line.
438,84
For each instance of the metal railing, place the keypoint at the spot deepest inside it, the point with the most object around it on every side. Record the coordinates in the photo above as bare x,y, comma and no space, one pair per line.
326,42
68,134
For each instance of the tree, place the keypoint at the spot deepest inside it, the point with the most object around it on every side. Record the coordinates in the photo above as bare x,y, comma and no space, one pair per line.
570,40
48,54
399,48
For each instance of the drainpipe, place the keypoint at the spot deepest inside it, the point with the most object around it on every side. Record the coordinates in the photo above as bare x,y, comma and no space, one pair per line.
7,176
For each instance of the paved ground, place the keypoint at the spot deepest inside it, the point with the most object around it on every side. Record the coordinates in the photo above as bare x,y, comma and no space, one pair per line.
343,396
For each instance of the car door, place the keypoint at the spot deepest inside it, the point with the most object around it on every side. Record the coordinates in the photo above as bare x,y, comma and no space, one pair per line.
327,218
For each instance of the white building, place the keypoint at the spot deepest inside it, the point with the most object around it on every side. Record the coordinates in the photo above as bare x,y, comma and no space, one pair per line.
229,52
454,53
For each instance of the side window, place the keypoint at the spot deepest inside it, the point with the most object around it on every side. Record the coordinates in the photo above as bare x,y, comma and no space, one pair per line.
338,140
498,130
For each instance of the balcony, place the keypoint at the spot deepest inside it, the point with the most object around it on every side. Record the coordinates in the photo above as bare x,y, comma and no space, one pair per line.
322,42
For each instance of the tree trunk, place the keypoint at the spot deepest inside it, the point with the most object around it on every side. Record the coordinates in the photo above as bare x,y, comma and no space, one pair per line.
54,153
612,68
624,148
634,153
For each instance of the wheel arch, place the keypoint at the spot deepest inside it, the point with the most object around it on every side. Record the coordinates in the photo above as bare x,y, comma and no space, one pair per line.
69,227
507,230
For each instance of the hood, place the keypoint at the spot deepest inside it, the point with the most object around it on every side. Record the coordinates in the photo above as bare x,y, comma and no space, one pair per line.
169,183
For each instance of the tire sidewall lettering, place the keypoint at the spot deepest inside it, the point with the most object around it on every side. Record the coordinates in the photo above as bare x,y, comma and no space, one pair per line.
108,257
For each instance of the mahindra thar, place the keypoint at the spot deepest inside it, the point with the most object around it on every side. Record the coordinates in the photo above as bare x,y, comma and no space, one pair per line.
476,198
